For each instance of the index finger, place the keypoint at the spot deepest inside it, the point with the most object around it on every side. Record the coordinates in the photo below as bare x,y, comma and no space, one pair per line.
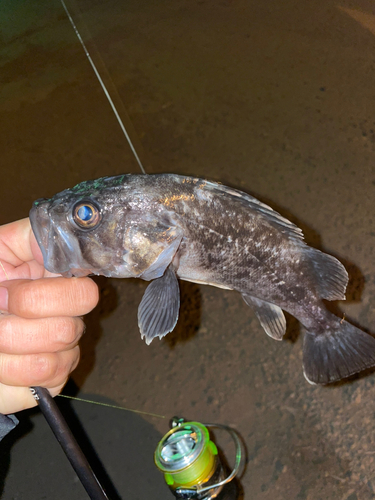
50,297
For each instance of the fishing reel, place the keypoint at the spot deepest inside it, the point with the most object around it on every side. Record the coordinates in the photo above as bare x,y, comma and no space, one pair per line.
190,461
186,455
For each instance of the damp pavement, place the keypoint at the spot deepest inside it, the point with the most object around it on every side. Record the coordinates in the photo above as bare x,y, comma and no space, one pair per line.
274,98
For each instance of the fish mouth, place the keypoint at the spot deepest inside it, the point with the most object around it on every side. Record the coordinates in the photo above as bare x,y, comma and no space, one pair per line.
61,254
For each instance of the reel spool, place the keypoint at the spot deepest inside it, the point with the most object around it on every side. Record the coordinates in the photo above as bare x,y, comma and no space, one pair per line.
190,461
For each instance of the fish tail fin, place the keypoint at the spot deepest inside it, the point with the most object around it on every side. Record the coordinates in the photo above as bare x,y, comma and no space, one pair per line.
337,353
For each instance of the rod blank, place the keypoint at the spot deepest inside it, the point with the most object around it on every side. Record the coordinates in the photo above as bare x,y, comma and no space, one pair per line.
68,443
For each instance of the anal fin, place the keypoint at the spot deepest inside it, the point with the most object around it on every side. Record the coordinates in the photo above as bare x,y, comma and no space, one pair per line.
159,307
271,317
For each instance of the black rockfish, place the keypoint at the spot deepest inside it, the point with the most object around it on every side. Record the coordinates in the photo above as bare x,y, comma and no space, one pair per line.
164,227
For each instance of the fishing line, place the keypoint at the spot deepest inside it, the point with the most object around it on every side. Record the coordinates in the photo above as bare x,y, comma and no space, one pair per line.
46,403
105,90
3,268
111,406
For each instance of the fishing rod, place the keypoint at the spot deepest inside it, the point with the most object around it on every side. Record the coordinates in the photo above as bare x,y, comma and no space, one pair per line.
68,443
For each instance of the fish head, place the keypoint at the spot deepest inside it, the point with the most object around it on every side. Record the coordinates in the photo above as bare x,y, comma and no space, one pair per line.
112,226
80,230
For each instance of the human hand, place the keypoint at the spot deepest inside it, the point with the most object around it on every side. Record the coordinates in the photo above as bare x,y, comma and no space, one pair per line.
40,323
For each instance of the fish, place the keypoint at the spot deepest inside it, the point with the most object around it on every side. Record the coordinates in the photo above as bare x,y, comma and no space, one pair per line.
165,227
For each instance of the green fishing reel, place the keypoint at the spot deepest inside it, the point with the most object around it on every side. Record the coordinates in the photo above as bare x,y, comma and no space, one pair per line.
190,460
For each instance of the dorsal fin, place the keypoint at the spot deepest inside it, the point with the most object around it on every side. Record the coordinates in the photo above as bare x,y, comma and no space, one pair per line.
332,275
272,216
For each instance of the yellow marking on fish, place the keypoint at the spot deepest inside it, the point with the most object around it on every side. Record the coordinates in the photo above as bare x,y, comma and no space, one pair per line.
169,200
112,225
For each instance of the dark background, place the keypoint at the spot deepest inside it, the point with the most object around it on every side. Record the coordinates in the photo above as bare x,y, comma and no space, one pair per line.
275,98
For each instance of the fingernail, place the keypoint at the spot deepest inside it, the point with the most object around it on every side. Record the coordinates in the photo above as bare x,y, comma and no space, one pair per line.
3,299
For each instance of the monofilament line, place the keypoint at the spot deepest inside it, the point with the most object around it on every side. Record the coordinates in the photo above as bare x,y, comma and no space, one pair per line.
104,88
3,268
111,406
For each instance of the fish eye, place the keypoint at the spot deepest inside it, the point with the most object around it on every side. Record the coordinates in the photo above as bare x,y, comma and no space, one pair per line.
86,215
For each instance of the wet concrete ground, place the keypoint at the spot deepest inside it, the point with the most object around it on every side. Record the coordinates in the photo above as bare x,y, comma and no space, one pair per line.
275,98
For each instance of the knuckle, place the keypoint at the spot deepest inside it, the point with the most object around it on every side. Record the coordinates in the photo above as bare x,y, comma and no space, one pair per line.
70,331
80,327
30,298
44,367
74,363
6,333
22,297
66,363
48,370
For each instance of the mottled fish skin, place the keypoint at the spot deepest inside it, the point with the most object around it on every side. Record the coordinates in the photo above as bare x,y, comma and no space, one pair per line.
206,233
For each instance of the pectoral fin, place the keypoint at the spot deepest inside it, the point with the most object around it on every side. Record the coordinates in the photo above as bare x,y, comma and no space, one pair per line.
159,307
271,317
